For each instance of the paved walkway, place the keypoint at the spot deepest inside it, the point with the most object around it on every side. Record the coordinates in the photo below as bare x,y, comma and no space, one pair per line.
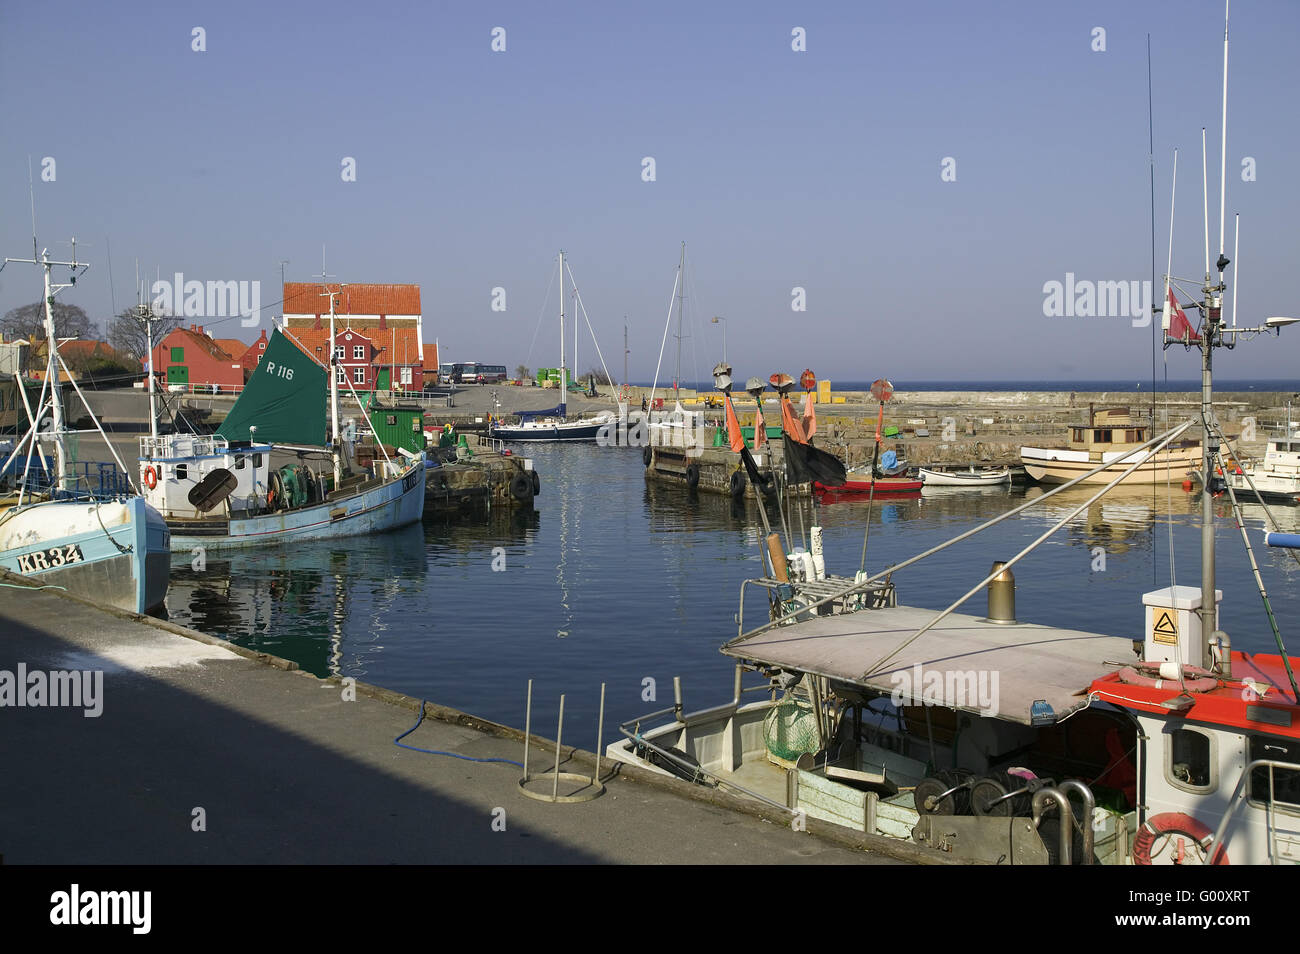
285,771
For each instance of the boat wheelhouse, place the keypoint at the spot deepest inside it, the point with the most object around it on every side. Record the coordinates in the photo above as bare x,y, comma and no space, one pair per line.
1277,476
1108,436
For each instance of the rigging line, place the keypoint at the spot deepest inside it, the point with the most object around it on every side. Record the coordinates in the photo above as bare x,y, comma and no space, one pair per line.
1151,161
86,404
668,324
1259,580
1016,559
528,357
965,534
1169,492
578,296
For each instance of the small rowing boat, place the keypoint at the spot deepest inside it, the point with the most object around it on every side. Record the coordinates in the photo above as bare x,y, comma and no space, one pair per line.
966,478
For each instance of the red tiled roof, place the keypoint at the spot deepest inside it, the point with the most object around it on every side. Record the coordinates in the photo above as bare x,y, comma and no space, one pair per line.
202,341
231,346
305,298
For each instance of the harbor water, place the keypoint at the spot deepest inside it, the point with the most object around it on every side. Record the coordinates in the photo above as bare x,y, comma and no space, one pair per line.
618,580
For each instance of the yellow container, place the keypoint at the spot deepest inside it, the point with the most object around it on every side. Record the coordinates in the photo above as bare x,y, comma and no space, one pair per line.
824,391
838,400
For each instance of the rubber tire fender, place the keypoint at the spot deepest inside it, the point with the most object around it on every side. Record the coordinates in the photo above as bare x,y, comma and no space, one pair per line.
692,475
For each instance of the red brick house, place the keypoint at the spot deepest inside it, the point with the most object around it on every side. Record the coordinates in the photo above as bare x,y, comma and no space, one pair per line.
371,360
252,355
188,357
387,315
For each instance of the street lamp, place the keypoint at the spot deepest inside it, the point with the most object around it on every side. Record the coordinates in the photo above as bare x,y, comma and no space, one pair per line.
715,320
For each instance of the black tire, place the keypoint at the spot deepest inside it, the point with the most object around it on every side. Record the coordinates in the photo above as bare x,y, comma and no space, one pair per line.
984,795
537,484
646,455
737,486
521,488
932,788
692,475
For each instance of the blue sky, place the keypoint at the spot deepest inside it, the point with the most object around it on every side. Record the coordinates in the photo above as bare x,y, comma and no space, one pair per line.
816,169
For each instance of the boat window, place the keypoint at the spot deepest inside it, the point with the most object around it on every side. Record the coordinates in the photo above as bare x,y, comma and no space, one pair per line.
240,462
257,461
390,419
1286,782
1078,434
1101,436
181,471
1189,760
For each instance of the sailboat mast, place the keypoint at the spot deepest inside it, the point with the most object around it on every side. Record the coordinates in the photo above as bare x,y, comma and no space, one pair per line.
681,298
52,375
334,400
564,390
146,313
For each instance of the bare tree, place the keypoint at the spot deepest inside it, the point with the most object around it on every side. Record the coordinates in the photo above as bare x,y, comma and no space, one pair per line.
28,321
522,373
127,334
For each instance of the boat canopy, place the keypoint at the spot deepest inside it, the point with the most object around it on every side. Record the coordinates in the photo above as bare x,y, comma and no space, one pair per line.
557,411
284,399
1032,663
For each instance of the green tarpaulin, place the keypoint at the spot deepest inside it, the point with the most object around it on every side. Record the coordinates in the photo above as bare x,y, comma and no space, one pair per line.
285,399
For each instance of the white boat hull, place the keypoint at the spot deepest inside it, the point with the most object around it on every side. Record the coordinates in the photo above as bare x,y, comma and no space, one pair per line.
1057,466
965,478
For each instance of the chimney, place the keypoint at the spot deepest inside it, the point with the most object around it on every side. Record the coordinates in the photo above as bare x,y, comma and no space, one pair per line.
317,326
383,322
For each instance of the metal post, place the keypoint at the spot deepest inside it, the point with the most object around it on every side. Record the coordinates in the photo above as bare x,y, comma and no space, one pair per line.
555,791
600,735
528,725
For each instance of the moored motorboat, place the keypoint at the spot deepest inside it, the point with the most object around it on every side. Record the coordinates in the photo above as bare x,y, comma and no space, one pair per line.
986,477
1107,436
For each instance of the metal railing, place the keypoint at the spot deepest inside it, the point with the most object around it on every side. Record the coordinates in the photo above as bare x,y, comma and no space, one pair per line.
682,720
1241,794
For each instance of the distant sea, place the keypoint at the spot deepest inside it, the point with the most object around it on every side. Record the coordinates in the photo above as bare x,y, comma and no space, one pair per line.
1142,387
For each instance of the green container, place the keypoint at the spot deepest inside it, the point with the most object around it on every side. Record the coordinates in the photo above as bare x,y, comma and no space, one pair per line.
890,431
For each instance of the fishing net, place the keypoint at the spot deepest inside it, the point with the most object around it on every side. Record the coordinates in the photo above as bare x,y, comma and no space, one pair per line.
790,729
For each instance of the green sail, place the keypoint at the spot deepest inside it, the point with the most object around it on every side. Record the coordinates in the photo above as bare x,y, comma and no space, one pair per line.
284,399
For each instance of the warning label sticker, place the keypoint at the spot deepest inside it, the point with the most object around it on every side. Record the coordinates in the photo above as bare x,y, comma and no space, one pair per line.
1164,628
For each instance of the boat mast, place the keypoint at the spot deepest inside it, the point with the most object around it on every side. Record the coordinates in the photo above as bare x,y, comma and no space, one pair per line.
1212,307
334,396
681,298
146,315
564,389
52,348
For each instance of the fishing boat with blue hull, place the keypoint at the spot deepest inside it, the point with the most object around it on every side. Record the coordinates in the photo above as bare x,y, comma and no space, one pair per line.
76,525
268,475
112,551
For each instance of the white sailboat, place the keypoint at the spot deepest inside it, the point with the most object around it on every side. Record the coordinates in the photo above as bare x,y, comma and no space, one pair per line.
97,543
554,424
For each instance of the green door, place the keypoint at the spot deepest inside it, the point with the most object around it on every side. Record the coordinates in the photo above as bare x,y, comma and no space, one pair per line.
382,382
178,374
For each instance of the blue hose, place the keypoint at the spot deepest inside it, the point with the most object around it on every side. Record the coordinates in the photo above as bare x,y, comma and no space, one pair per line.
398,742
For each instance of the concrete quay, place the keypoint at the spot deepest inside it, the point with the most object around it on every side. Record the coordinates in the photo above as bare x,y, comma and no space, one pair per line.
203,752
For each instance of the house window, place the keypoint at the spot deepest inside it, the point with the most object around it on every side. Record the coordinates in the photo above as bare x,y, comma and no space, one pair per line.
262,345
339,352
359,375
1189,760
340,375
178,354
406,375
359,352
1286,782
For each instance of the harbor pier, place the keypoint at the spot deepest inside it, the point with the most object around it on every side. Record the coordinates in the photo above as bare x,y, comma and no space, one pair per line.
203,752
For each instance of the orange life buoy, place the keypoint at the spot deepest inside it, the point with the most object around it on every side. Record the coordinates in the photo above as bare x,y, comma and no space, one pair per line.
1194,679
1170,825
150,477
